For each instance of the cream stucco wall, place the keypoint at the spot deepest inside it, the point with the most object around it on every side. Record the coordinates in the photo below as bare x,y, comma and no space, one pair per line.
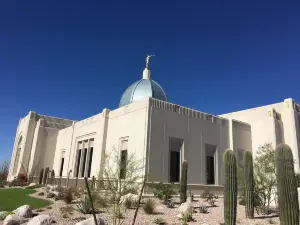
148,126
275,123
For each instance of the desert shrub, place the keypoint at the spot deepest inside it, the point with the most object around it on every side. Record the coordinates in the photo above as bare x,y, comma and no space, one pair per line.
101,202
77,192
84,206
50,195
264,178
66,195
41,193
203,209
149,206
128,203
187,217
210,197
159,221
119,181
4,168
163,191
170,204
242,201
66,211
20,180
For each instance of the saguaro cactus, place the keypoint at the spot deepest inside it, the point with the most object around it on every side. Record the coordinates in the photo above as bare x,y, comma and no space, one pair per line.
230,187
183,181
249,184
286,186
52,177
45,175
41,176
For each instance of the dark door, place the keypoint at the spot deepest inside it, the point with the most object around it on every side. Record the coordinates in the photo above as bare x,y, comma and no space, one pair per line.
175,166
210,169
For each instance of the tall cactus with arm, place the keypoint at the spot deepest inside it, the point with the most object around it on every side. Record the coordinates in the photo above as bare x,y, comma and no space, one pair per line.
41,176
46,175
286,186
183,181
230,187
249,184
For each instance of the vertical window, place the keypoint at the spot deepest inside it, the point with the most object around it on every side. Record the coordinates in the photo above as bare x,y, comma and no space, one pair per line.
175,149
90,161
62,166
174,166
62,163
84,161
123,160
78,163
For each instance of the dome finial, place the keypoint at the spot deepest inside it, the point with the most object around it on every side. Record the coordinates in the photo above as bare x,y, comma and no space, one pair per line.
148,59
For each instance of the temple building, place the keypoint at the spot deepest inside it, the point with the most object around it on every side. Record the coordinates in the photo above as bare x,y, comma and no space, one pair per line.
161,133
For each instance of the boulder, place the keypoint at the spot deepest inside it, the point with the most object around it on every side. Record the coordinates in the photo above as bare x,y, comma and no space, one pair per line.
56,193
133,197
3,214
41,220
24,211
32,184
186,207
90,221
14,220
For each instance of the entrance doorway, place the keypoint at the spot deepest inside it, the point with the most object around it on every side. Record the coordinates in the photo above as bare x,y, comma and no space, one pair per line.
210,161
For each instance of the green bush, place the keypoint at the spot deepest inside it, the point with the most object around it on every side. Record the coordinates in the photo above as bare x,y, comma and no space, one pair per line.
209,197
149,206
159,221
163,191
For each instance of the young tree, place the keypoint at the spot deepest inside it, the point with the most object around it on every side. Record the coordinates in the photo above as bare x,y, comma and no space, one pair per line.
4,168
264,176
121,175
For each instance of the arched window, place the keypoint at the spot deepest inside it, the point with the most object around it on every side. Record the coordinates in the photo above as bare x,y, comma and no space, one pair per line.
17,156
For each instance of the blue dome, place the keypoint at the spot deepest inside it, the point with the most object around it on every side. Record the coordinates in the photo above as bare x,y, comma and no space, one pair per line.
141,89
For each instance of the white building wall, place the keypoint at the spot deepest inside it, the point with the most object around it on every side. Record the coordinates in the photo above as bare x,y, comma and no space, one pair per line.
196,129
129,122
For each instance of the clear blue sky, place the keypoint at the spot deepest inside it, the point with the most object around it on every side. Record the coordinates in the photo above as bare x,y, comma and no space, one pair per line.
73,59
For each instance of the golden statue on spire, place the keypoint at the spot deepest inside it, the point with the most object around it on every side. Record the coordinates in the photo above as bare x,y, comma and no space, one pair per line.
148,59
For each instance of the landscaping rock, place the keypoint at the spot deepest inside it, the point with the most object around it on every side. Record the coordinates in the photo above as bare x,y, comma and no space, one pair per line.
56,193
3,214
41,220
90,221
50,195
129,196
14,220
24,211
32,184
186,207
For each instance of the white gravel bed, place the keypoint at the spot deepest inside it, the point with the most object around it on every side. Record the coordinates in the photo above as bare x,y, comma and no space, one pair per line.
213,217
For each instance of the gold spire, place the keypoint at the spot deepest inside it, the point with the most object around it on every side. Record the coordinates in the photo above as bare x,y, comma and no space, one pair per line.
148,59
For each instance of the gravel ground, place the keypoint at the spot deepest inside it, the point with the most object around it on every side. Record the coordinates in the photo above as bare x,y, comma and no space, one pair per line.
213,217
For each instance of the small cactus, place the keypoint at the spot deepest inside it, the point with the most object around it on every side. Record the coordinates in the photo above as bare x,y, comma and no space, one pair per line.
249,184
52,177
45,175
183,181
286,186
41,176
230,187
